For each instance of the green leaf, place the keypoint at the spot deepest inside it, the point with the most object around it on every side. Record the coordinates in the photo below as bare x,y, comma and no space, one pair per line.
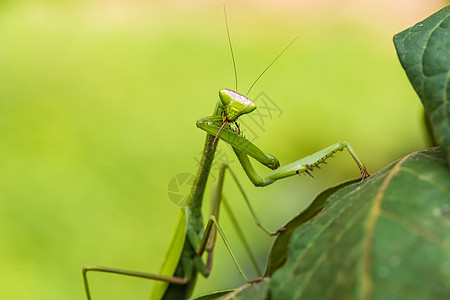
256,291
213,296
172,256
386,238
278,253
424,52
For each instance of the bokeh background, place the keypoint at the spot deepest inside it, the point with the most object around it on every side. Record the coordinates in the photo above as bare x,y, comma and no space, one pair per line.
98,103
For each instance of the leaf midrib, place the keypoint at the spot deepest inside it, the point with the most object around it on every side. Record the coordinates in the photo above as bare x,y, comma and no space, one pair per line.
367,284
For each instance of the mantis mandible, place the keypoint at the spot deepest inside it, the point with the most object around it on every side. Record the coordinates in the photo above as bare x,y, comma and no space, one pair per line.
184,260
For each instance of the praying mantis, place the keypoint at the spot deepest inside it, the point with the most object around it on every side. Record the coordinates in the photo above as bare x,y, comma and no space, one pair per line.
184,260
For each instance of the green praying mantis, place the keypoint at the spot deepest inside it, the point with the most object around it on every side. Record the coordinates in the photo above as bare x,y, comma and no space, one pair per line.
184,260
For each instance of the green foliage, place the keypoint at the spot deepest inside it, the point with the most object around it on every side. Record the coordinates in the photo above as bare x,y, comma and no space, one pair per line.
376,239
389,236
214,296
278,254
172,258
246,292
423,51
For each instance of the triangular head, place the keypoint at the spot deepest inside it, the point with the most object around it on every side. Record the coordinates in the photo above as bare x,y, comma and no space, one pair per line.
235,104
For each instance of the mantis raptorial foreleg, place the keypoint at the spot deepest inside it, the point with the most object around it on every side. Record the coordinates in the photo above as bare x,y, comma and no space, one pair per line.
303,165
244,148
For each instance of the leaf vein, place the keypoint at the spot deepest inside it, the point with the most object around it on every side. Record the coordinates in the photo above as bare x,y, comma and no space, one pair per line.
417,228
427,179
325,254
367,284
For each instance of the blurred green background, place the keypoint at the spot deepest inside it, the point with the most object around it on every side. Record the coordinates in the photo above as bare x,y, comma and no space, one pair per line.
98,103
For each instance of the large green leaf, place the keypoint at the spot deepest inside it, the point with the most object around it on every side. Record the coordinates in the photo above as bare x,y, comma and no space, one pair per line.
257,291
424,52
386,238
214,296
172,256
278,253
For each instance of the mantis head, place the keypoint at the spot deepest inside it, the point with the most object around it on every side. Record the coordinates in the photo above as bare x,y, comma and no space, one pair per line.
235,104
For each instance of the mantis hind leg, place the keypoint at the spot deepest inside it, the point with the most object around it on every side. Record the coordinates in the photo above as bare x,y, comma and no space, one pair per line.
209,237
213,226
218,195
87,268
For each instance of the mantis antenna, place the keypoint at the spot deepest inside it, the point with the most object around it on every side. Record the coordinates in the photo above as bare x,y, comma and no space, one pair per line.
270,64
231,47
